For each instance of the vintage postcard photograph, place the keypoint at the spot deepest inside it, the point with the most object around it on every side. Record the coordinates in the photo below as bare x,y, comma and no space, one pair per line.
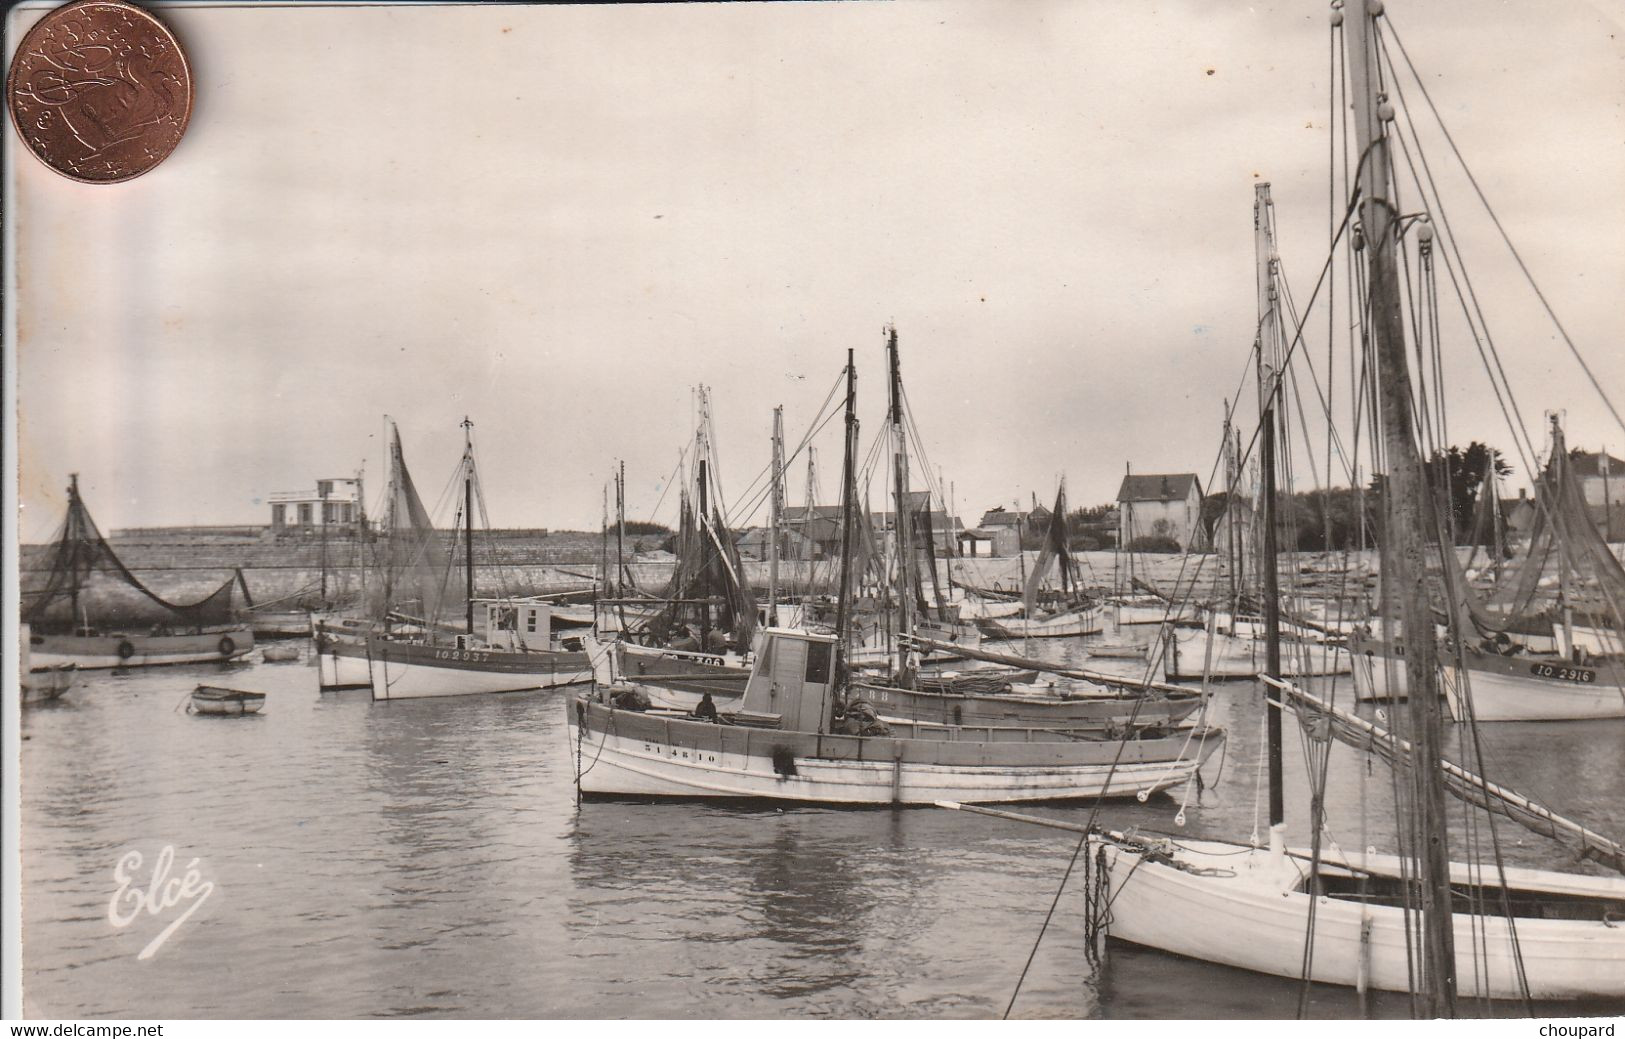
771,511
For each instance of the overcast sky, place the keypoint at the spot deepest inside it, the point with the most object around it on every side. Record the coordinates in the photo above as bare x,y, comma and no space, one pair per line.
558,220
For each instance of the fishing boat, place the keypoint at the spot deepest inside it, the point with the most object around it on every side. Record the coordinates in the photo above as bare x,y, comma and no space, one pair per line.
916,638
1416,922
1103,711
1490,686
519,652
1073,618
216,700
1497,673
801,733
42,684
786,743
1190,654
279,624
341,653
672,679
1129,610
92,612
977,606
1072,623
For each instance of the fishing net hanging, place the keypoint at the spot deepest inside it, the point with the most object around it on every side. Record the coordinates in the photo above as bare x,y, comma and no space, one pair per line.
89,587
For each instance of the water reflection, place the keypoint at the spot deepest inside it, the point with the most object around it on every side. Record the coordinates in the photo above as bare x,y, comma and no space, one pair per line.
427,858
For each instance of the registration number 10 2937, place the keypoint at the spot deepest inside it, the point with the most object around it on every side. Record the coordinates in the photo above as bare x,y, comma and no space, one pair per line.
461,654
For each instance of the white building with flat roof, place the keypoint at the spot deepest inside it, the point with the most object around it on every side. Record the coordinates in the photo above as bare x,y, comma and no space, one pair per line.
334,503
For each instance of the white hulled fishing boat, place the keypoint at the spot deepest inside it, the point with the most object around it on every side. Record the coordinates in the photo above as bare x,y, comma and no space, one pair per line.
1418,922
519,651
801,734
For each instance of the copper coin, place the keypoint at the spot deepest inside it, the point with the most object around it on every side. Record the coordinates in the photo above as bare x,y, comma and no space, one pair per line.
100,91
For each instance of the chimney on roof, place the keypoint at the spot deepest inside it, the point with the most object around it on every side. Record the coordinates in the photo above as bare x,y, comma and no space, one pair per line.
1523,494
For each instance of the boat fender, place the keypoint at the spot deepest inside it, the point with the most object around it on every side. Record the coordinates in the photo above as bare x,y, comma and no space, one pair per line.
784,761
227,646
125,650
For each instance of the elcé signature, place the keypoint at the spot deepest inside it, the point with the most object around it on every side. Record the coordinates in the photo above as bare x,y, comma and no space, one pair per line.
162,893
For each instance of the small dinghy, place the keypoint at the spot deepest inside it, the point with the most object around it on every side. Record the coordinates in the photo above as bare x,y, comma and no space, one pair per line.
213,699
281,653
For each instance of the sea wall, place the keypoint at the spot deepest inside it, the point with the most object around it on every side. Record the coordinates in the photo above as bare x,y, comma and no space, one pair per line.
184,566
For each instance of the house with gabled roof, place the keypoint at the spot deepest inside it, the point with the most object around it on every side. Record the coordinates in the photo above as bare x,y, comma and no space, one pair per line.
1160,505
1601,477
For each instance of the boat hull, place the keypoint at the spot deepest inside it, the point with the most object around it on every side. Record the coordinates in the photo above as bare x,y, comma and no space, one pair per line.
42,685
1379,671
93,652
342,663
1517,688
625,753
1242,658
675,679
281,624
1521,688
1096,712
226,702
409,671
1136,613
1065,625
1199,915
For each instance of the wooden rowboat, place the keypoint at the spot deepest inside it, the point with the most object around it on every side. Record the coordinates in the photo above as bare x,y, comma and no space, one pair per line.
213,699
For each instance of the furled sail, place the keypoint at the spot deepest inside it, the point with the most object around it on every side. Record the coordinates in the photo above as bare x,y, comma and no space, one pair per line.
1564,535
707,590
414,560
88,586
1053,554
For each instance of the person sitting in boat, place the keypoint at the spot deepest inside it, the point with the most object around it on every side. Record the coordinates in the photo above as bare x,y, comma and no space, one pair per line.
690,641
716,641
628,698
706,709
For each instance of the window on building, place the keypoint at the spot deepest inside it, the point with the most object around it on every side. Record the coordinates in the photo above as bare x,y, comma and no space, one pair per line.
324,488
279,515
818,657
304,515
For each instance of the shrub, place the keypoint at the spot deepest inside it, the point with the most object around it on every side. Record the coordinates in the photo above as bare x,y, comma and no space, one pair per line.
1154,543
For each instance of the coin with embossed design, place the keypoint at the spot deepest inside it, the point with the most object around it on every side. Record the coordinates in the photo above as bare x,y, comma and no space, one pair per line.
100,91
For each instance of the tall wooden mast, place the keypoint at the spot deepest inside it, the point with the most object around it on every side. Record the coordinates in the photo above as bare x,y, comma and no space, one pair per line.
903,522
75,535
1269,374
777,519
1403,502
620,529
468,519
848,506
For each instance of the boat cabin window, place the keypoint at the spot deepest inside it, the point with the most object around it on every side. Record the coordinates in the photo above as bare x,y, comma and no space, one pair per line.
818,656
503,618
530,621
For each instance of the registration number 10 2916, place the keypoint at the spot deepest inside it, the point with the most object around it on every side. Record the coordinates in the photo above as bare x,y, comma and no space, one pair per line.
1562,673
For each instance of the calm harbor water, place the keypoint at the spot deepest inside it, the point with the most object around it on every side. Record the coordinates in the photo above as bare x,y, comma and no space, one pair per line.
428,858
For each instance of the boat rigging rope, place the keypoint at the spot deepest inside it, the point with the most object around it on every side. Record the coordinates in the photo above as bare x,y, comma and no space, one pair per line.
1422,86
1083,841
